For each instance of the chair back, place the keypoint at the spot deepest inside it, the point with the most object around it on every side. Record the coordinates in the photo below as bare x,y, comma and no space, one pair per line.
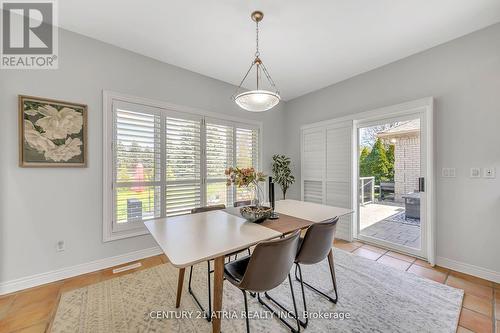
207,208
270,263
317,242
242,203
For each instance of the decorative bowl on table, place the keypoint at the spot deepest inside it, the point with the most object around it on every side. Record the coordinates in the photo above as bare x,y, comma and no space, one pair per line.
255,214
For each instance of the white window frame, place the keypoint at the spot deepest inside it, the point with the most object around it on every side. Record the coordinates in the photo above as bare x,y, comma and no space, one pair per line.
110,233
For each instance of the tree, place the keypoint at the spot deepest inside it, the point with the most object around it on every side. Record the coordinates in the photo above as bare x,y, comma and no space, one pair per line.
282,173
378,163
368,135
364,167
390,159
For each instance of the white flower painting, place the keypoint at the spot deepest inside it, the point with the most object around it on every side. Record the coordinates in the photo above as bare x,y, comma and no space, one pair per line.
54,132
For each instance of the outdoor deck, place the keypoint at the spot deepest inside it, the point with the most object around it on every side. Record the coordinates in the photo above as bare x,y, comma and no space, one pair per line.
387,222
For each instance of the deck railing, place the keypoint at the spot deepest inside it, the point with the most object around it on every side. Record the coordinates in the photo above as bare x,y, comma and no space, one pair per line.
367,190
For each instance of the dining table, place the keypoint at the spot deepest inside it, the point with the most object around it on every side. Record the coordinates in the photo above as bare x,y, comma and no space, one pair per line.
189,239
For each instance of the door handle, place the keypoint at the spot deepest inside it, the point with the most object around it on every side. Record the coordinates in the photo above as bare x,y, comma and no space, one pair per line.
421,184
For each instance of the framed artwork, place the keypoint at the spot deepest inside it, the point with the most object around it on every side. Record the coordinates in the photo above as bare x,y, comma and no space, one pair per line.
52,133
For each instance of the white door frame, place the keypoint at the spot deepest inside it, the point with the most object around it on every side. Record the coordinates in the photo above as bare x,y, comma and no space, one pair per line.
425,106
422,109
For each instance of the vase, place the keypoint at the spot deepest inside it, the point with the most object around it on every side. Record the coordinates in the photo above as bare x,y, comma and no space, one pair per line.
258,196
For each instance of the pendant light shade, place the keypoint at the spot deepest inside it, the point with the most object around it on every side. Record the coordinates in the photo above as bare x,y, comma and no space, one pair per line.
257,100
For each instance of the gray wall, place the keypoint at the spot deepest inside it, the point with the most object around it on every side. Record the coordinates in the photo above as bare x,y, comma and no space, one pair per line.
464,77
40,206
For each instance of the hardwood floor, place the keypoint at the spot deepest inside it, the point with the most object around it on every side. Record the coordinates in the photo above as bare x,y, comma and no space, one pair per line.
31,310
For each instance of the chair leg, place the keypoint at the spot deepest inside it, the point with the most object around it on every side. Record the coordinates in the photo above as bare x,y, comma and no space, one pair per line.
246,310
306,321
293,315
190,276
294,304
332,272
302,323
208,315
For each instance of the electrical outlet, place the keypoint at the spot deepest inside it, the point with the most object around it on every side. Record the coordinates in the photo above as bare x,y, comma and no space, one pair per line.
475,173
60,246
489,172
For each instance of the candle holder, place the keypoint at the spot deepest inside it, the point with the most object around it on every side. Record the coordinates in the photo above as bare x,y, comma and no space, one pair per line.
273,215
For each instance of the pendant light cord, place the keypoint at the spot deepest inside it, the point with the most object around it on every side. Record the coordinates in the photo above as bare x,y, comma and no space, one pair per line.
260,67
257,53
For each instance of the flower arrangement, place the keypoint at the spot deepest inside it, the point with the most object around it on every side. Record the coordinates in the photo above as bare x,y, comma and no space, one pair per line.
245,177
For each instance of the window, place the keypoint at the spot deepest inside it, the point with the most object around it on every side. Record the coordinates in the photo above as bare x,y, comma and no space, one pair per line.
219,157
182,164
247,142
163,162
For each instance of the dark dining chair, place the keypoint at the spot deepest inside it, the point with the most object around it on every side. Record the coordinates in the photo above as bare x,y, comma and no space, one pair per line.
314,247
209,269
267,267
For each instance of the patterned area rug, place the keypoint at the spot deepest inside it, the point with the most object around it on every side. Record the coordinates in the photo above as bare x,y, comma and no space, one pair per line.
401,218
372,298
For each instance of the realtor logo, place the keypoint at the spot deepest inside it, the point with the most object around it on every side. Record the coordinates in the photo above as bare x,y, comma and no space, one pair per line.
29,35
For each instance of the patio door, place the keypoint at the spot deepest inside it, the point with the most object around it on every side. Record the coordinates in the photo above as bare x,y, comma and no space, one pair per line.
391,164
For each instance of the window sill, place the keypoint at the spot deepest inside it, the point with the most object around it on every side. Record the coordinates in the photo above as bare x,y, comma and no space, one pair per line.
112,236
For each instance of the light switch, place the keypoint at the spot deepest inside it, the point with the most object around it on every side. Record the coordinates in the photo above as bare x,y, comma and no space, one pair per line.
489,173
475,173
445,172
448,172
452,172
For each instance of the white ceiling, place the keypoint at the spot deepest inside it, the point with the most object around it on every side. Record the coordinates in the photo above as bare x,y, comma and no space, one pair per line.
306,45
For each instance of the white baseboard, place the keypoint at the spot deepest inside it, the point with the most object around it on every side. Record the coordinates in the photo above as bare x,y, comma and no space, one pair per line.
67,272
462,267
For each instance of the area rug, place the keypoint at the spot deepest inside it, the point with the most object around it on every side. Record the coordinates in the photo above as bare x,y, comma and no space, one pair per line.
402,218
372,298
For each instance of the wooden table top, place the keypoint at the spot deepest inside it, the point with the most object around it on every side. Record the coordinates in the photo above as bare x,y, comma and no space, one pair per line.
284,225
295,215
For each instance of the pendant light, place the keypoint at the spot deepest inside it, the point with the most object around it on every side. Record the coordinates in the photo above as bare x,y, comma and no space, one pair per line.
259,99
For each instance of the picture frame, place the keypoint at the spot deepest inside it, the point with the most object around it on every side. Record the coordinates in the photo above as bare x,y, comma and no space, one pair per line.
52,133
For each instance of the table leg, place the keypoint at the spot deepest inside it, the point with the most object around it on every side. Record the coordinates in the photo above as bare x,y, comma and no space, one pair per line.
218,288
180,281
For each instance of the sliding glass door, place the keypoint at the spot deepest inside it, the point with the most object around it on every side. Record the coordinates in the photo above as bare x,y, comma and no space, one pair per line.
391,192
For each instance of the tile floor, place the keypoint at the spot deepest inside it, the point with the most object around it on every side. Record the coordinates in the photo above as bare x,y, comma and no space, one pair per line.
481,305
30,311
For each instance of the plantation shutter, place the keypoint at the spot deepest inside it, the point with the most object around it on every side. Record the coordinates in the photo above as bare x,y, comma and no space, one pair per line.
338,174
219,156
183,163
165,162
247,147
137,164
313,165
326,169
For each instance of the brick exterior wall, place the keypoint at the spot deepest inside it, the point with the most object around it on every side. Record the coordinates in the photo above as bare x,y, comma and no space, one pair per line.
406,165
